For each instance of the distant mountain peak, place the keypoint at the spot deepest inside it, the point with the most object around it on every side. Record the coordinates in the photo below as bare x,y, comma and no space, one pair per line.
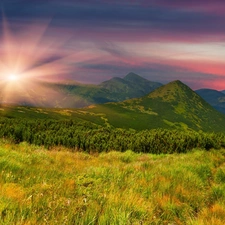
133,77
132,74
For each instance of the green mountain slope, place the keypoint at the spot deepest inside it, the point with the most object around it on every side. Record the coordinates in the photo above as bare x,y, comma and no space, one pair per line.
214,98
173,105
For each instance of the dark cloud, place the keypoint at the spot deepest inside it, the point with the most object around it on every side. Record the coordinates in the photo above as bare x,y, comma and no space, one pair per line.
121,17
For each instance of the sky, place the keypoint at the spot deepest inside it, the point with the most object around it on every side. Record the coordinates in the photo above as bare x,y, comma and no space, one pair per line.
90,41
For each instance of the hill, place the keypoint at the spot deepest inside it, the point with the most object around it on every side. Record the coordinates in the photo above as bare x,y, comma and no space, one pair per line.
214,98
173,105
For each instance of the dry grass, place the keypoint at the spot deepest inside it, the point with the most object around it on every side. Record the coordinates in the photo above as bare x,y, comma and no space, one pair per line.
60,187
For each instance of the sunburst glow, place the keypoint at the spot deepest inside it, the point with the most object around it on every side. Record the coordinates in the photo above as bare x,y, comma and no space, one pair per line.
13,77
34,58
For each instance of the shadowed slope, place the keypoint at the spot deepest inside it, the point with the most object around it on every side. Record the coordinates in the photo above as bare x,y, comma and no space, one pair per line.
214,98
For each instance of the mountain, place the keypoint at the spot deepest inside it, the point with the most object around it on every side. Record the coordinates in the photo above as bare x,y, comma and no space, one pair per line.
131,86
171,106
113,90
76,95
214,98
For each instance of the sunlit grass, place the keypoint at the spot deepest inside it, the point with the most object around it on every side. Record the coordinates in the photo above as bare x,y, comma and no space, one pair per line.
60,187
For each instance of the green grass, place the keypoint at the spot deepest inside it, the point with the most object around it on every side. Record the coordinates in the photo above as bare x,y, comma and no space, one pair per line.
61,187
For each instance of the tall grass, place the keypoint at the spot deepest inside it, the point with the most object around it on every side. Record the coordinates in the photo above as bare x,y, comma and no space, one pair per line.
60,187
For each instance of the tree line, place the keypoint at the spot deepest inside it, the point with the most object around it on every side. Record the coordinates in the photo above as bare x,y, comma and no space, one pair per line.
90,137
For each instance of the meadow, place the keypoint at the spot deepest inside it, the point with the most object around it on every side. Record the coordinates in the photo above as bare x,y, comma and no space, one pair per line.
38,186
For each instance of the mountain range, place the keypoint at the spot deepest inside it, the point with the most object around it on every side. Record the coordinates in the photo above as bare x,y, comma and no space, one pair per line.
113,90
76,95
170,106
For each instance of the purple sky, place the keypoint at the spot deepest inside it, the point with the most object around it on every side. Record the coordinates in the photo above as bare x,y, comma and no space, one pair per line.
94,40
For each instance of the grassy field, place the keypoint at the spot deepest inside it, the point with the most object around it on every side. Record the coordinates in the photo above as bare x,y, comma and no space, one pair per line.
60,187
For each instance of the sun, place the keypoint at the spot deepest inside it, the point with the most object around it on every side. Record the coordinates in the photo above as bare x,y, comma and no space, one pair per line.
13,77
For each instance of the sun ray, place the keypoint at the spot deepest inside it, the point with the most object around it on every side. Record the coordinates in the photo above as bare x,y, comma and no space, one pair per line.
28,56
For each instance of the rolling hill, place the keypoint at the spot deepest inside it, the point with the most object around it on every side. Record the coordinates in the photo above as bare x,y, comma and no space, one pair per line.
214,98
